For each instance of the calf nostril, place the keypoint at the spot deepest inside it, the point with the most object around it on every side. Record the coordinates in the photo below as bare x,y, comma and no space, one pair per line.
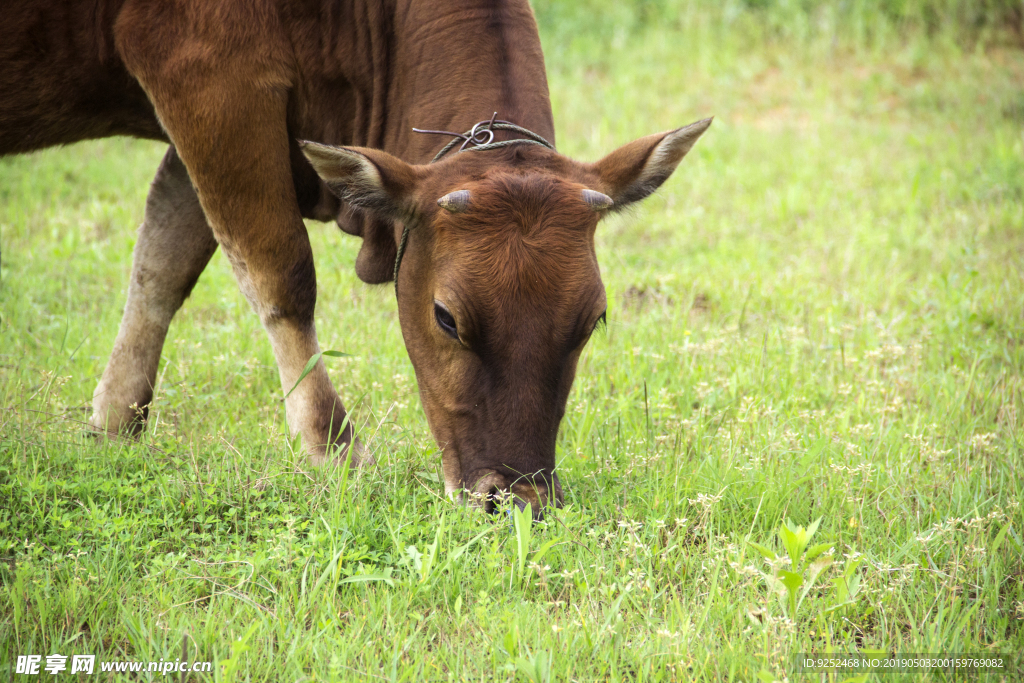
494,500
497,501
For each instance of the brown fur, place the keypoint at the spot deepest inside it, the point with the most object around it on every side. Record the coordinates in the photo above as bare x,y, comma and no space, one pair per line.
234,85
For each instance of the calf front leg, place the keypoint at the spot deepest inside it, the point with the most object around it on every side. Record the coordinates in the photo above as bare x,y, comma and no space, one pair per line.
223,104
280,283
174,245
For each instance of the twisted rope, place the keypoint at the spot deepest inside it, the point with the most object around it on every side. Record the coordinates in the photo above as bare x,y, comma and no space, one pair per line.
482,139
475,139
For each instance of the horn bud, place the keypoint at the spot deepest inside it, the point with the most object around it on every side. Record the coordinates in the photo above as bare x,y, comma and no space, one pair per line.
597,201
455,202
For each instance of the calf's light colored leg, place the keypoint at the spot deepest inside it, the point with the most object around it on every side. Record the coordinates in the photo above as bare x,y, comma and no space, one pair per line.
224,105
174,245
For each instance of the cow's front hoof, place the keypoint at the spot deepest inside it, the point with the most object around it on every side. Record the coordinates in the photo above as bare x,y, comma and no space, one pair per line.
111,422
359,455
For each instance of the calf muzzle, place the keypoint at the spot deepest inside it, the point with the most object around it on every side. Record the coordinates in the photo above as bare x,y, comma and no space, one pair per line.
494,490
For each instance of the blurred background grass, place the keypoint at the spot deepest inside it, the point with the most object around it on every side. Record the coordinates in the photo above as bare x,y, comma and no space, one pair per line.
585,27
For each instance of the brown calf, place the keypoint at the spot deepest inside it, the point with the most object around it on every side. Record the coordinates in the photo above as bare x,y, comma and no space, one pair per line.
498,287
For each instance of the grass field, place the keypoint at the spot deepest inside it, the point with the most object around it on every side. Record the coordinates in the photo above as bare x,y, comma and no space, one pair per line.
819,317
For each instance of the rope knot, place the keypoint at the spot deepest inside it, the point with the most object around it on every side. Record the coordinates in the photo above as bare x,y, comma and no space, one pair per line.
480,138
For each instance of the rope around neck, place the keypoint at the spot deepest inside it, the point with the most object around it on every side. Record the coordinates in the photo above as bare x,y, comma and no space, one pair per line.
475,139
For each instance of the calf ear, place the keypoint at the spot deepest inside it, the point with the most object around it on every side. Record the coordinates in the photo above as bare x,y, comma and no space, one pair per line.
379,190
637,169
368,179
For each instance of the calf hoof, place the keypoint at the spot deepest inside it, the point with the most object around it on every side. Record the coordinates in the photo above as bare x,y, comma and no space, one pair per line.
355,452
117,422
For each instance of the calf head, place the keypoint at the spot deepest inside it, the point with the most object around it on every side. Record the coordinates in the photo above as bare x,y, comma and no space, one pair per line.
499,289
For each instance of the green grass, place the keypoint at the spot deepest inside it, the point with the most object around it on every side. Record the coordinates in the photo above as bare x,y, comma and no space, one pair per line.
821,315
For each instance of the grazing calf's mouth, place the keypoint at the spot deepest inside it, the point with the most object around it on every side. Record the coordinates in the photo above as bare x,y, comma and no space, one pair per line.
499,290
493,491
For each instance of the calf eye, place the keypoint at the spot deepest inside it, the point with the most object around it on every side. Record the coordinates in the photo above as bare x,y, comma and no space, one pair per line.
445,320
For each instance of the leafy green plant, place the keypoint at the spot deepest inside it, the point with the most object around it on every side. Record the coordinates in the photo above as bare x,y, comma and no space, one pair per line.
536,668
230,666
806,564
846,588
423,565
522,523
